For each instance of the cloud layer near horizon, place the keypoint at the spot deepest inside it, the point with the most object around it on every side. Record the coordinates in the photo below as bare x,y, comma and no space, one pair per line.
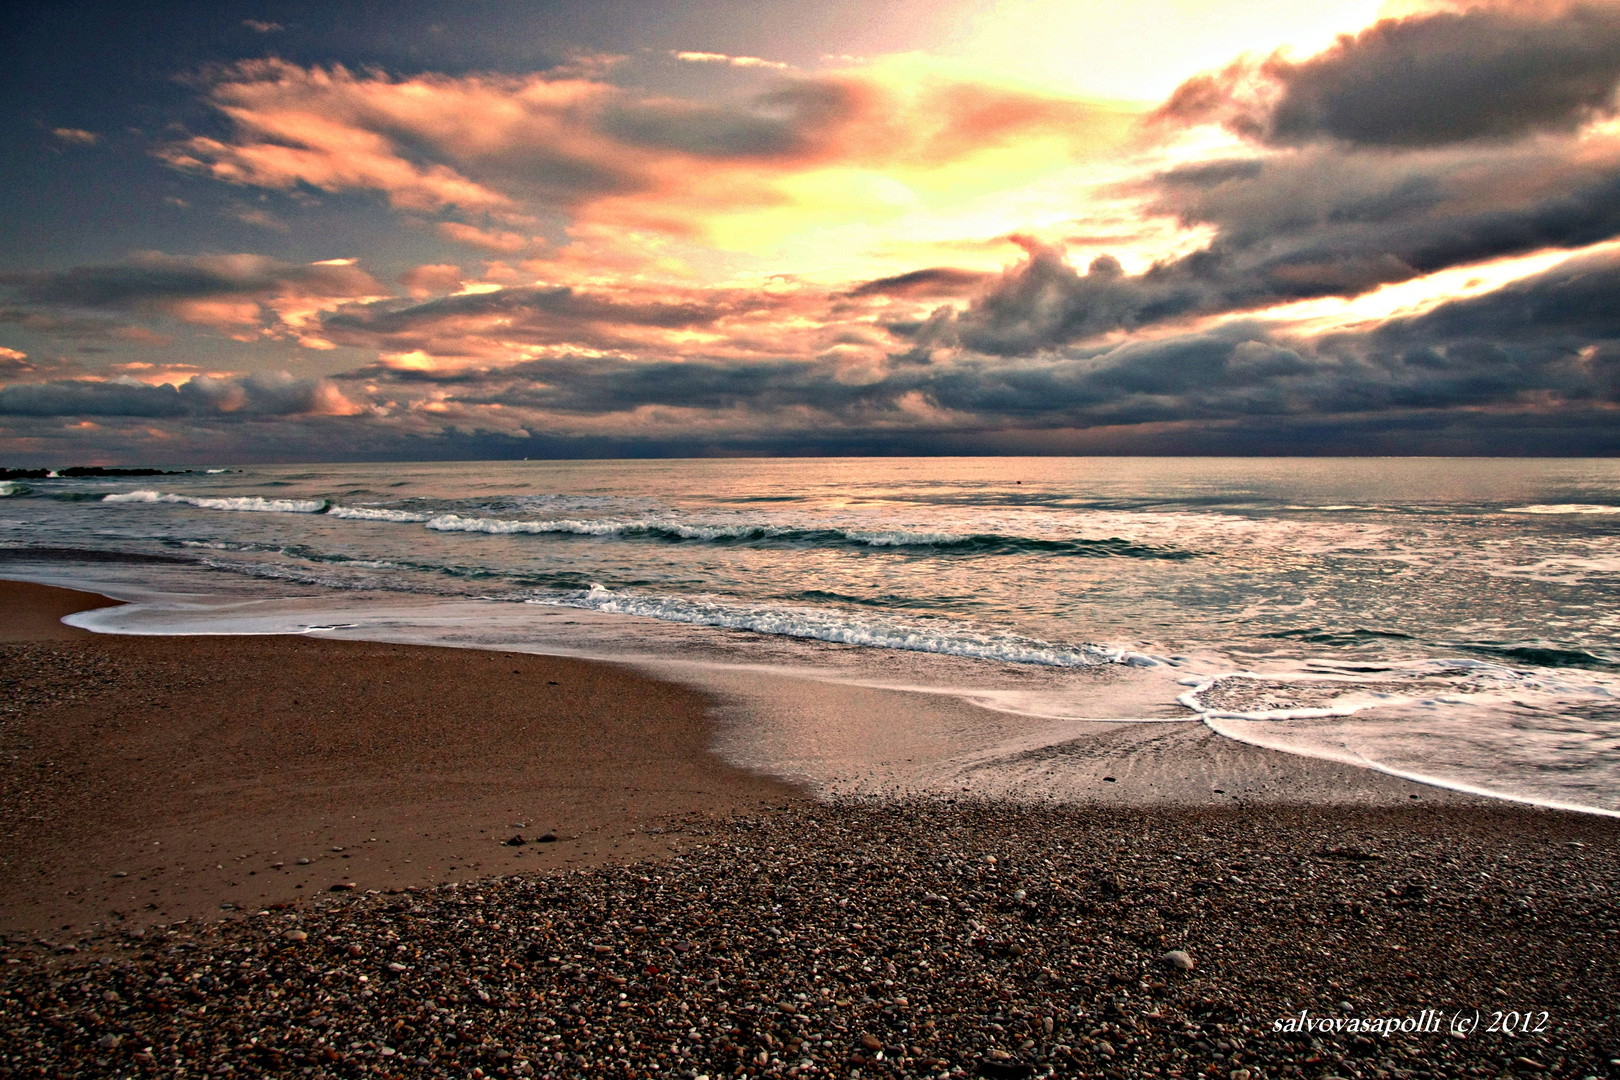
1404,242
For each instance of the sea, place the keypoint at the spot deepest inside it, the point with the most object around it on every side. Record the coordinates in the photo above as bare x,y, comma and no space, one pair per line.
1451,621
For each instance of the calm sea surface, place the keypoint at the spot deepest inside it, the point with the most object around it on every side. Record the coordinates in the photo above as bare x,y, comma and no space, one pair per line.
1455,620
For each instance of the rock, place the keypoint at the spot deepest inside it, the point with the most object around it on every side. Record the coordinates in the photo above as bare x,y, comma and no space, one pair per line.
516,841
341,886
1178,960
547,838
303,862
871,1042
296,935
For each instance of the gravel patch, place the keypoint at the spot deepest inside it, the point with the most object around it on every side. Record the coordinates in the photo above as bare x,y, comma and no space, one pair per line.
897,940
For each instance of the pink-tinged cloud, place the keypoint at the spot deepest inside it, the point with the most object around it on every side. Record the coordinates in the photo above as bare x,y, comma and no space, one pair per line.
243,295
502,149
733,61
433,279
506,242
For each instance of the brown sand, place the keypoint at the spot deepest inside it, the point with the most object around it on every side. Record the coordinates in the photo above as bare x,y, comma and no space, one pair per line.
149,779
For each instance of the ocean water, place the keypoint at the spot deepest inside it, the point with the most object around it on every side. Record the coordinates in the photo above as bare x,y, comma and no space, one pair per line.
1455,621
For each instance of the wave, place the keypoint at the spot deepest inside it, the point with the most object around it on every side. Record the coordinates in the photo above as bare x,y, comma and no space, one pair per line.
848,629
1316,635
1546,656
1563,508
252,503
973,543
376,513
10,489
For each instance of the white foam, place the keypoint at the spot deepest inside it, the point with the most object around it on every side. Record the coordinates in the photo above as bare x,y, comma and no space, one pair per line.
375,513
827,625
502,527
1564,508
8,489
251,503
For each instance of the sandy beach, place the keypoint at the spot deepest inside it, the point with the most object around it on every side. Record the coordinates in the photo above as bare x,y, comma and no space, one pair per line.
690,918
149,779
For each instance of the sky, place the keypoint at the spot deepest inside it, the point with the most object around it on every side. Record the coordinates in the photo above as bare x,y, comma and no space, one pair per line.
257,232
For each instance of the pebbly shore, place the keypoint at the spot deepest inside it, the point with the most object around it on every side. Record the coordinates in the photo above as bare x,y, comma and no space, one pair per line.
894,940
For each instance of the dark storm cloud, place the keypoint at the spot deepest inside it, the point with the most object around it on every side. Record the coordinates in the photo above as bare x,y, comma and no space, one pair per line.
1555,337
1295,227
265,395
524,305
935,281
1429,80
155,280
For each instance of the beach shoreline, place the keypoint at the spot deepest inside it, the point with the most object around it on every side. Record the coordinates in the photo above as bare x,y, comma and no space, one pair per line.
694,918
149,779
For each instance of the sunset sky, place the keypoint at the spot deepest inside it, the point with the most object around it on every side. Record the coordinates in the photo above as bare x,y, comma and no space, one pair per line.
278,231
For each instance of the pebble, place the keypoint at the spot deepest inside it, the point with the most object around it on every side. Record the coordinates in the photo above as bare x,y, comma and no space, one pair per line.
1178,959
795,944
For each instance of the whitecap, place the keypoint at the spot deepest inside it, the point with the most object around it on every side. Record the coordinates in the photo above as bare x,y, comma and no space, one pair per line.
251,503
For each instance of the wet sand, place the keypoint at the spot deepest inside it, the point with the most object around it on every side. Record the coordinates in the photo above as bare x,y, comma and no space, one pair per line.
148,779
150,785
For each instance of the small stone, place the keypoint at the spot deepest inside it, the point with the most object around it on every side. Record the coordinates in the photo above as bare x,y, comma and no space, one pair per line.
120,873
990,860
296,935
871,1042
342,886
303,862
516,841
397,967
1241,1074
547,838
1177,959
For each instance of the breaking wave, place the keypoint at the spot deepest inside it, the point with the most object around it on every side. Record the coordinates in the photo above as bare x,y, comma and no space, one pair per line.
251,503
845,628
970,543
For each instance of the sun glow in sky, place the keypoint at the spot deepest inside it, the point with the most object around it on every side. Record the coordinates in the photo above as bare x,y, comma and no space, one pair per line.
921,226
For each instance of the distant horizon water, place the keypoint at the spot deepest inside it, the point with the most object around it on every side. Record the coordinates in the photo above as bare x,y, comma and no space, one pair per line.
1451,620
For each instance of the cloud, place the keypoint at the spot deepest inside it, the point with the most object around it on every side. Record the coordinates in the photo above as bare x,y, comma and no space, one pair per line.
223,291
1429,80
506,242
263,27
76,136
432,279
265,395
935,281
492,152
733,61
